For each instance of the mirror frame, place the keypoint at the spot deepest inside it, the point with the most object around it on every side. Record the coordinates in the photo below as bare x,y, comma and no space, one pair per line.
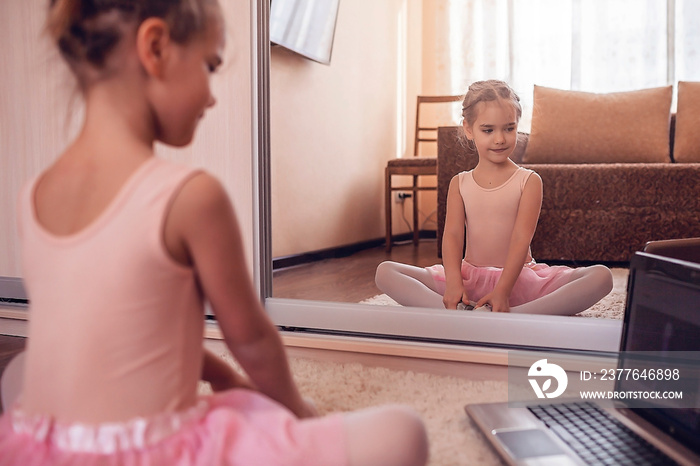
390,323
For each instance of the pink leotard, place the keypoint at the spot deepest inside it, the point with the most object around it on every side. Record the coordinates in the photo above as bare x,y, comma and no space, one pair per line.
490,217
490,220
114,353
116,325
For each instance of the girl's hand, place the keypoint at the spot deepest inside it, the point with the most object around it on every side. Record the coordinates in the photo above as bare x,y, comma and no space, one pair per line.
231,381
304,408
497,301
311,409
222,376
453,295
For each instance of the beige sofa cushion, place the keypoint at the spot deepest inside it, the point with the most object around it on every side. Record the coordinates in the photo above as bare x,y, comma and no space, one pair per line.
686,147
583,127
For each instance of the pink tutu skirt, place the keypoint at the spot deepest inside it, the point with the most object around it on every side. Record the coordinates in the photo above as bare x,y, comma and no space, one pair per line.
236,427
535,280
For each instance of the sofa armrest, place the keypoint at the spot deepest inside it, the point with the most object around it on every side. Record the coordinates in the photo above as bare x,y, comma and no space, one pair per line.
454,156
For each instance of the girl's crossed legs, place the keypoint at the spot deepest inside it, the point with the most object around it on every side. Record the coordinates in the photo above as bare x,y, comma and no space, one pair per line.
586,286
408,285
414,286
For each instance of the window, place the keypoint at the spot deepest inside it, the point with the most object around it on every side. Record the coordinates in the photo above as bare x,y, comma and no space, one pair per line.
591,45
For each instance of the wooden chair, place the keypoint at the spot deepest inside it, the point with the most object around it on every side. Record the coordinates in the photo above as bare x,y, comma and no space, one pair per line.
414,166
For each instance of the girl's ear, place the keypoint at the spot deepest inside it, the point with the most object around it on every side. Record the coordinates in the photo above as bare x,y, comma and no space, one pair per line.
152,45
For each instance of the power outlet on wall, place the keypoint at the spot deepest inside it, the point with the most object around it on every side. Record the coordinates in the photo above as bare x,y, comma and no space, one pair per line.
400,197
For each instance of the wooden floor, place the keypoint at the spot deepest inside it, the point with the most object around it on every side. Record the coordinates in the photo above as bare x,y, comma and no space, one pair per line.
348,279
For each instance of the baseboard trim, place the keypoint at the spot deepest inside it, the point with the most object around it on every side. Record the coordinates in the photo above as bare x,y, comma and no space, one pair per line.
12,291
13,322
343,251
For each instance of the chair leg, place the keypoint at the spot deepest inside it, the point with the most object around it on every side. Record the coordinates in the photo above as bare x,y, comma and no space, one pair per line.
387,207
415,210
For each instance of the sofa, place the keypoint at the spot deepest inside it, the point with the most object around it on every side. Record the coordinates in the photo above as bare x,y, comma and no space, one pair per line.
618,170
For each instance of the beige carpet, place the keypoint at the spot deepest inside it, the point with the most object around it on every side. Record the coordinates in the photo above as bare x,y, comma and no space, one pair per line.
610,307
440,400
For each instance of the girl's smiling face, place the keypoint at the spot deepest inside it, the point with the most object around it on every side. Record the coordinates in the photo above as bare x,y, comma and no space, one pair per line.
495,130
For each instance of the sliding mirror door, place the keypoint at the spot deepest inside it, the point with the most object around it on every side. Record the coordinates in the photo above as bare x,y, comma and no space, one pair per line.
326,133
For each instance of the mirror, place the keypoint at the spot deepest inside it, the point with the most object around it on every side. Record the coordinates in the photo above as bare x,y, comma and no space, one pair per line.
322,185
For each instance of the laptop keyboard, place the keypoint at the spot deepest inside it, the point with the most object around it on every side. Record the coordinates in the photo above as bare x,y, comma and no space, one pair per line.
597,437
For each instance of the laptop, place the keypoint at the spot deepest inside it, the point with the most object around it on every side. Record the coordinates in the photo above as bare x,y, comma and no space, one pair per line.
687,249
662,315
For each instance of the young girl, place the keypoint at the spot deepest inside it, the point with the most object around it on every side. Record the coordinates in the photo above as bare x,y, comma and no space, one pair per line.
121,250
500,203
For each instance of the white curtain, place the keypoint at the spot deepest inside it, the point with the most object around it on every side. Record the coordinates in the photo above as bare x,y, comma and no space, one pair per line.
587,45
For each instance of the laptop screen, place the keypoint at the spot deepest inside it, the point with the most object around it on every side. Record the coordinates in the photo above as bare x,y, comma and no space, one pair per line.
663,317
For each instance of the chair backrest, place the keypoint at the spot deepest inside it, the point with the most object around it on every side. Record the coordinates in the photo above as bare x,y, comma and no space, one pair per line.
420,129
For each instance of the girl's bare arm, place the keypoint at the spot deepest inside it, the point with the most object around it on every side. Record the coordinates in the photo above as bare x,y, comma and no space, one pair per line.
523,231
202,218
453,246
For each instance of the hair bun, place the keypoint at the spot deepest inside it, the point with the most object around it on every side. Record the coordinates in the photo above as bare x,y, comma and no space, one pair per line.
98,45
62,15
87,31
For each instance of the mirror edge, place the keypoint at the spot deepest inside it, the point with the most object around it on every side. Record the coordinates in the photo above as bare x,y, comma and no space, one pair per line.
260,10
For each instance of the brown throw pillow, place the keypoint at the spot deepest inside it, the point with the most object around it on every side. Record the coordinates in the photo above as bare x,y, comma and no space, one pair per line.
686,146
583,127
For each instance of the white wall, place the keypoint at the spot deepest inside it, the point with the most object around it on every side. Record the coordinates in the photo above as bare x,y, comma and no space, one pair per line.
333,128
35,91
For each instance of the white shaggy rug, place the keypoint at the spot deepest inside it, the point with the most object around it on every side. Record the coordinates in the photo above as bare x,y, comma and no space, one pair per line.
454,440
440,400
610,307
